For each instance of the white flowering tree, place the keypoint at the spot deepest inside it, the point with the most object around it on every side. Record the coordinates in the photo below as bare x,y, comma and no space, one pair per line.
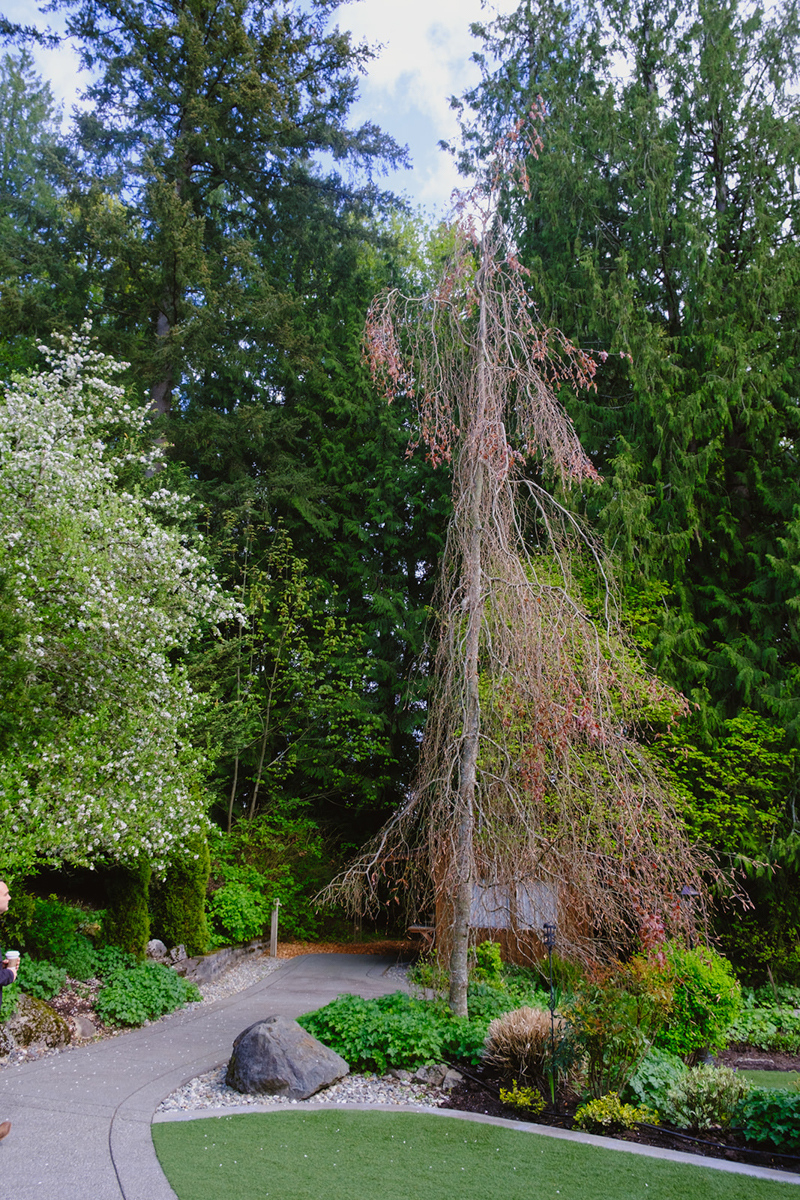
100,593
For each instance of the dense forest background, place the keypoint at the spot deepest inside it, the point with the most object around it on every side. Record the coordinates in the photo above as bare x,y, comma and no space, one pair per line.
213,214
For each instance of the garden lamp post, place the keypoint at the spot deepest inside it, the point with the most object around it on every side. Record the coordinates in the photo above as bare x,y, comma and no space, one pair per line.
550,942
688,894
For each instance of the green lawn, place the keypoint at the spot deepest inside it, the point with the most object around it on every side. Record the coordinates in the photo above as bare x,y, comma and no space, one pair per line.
350,1155
780,1080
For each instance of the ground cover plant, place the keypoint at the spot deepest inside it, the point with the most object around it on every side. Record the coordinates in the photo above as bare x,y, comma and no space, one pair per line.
346,1154
408,1031
139,992
58,956
395,1031
769,1019
771,1118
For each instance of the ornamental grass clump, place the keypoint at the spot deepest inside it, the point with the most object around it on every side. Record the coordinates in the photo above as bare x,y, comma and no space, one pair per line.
519,1043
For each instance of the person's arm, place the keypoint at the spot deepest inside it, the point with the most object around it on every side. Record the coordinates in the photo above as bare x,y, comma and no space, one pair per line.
6,976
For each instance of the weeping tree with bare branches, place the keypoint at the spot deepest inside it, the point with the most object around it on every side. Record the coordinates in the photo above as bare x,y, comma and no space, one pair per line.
530,773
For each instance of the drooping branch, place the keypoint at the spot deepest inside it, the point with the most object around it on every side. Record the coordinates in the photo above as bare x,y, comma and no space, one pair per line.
531,781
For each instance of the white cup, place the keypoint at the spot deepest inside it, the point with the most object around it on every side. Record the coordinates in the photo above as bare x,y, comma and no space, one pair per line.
12,955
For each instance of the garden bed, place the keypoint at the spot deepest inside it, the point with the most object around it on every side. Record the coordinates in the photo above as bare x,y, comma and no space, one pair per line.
479,1093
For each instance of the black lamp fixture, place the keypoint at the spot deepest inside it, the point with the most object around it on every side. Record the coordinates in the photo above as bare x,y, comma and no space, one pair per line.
550,942
688,896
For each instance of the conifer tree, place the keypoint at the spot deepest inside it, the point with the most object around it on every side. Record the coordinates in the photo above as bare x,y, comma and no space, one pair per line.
661,226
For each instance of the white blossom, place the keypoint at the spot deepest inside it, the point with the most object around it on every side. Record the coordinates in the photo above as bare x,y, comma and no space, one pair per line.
105,593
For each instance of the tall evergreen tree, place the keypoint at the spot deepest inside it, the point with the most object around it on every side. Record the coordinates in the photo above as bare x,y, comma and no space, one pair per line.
662,227
234,273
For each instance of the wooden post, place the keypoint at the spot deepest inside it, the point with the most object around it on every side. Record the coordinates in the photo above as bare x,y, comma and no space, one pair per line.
273,931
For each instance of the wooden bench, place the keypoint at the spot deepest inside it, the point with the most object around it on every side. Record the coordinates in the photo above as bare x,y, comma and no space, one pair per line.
426,932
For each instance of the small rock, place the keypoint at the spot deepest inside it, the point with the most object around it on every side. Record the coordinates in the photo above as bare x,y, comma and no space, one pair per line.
7,1043
36,1023
451,1079
279,1057
177,954
83,1027
431,1075
399,1073
156,950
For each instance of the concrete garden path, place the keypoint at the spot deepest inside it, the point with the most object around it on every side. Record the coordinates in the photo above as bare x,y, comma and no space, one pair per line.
81,1120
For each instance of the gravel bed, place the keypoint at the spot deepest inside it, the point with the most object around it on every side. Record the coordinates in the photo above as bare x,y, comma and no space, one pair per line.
210,1091
238,977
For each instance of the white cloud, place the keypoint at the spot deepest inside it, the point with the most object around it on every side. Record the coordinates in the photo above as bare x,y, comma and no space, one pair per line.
424,59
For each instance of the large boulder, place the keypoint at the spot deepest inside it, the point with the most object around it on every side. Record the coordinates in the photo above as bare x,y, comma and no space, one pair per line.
276,1056
37,1024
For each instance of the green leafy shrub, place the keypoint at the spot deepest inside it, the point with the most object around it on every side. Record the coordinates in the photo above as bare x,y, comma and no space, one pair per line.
80,960
39,978
769,1028
707,1000
707,1097
142,993
429,971
126,921
771,1117
111,961
651,1082
18,920
519,1043
525,1099
178,902
11,995
239,912
275,858
394,1031
52,929
607,1114
488,966
614,1019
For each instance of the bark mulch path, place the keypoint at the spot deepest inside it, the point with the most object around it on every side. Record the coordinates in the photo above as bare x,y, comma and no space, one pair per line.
403,948
479,1093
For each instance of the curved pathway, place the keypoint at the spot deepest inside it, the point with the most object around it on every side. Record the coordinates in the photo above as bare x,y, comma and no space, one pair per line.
81,1120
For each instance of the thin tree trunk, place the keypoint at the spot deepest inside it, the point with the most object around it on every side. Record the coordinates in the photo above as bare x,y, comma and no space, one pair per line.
161,392
263,751
468,754
233,792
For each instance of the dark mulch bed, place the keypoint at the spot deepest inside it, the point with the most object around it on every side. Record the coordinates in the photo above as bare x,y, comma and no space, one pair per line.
748,1058
479,1093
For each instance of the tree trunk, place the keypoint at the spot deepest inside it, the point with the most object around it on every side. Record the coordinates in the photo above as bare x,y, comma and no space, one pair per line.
161,392
468,753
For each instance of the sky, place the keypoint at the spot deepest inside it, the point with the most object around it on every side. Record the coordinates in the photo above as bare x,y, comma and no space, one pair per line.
425,59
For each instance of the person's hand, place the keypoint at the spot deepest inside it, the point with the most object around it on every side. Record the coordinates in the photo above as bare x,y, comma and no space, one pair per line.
12,964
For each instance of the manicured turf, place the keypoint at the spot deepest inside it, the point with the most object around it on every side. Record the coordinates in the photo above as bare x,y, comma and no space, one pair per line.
347,1155
773,1079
